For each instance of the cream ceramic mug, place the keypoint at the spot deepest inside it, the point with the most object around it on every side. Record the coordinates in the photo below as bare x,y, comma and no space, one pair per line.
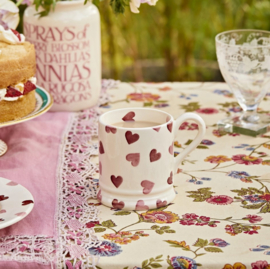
136,157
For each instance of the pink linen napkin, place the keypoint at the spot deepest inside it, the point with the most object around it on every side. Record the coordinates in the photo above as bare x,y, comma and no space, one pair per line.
31,160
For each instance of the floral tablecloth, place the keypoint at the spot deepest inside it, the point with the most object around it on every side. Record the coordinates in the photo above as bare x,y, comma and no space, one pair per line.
221,215
219,219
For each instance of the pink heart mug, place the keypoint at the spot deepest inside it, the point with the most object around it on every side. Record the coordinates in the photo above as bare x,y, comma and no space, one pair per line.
136,158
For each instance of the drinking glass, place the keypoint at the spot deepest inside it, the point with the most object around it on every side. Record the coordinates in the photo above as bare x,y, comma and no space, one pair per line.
244,61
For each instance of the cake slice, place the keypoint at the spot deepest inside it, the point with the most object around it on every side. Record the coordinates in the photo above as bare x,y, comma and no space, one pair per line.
17,71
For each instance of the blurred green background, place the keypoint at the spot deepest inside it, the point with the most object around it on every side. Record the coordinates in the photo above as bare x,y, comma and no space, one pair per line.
174,40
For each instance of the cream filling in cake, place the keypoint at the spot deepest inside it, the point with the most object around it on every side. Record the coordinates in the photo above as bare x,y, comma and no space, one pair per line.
19,87
9,37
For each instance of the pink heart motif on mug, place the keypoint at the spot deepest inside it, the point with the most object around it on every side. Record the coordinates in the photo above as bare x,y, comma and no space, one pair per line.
3,211
117,181
169,126
147,186
27,202
100,168
117,205
156,129
3,197
101,149
170,178
109,129
131,138
154,155
134,158
141,206
99,196
129,116
12,183
21,214
159,203
171,149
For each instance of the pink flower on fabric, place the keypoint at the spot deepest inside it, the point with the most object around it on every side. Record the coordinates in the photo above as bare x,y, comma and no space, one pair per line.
187,222
253,218
265,197
219,200
245,159
203,218
260,265
207,110
201,223
190,216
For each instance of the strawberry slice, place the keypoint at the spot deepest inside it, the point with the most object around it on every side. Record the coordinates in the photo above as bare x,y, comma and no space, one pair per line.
16,34
12,92
28,87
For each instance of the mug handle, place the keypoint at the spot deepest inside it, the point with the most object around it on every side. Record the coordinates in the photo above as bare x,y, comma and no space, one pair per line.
195,142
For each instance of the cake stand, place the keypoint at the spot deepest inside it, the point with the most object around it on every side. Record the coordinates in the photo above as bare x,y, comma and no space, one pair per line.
44,101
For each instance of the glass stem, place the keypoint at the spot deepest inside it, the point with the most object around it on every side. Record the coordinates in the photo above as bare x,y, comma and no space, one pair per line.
250,116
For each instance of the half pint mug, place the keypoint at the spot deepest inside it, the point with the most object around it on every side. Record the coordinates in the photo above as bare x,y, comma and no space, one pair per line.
136,157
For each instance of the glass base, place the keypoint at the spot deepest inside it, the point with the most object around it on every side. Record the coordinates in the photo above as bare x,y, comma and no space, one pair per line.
236,125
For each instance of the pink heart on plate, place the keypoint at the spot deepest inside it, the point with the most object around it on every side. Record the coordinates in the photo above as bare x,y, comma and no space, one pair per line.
27,202
169,126
99,196
129,116
12,183
117,205
101,148
134,158
109,129
170,178
141,206
21,214
171,149
131,138
3,211
159,203
3,197
117,181
147,186
156,129
154,155
100,168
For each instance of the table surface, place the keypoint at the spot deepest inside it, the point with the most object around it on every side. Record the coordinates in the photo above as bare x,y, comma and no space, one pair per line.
219,219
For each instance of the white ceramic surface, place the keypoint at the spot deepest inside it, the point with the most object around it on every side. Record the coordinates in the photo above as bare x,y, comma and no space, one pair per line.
16,202
137,165
68,50
3,147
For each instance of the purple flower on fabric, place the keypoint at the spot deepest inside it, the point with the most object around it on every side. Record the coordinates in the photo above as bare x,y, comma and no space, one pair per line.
181,262
219,242
261,248
161,105
106,249
223,92
206,178
207,142
254,199
235,109
238,174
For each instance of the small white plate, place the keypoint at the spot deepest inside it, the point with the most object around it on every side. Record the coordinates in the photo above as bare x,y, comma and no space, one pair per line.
16,202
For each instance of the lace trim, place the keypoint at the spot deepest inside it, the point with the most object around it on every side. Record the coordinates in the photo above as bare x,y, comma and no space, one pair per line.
76,185
38,249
